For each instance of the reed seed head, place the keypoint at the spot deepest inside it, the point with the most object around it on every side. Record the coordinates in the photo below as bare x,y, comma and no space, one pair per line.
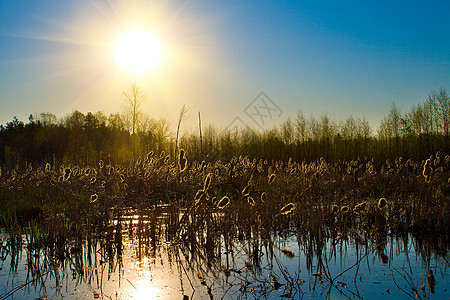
223,202
66,174
289,208
345,209
149,155
360,207
427,168
181,156
246,191
334,209
207,182
263,197
203,166
93,198
199,195
271,178
382,203
183,164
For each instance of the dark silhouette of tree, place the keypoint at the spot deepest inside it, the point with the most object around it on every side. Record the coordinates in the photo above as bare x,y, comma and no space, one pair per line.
84,139
134,98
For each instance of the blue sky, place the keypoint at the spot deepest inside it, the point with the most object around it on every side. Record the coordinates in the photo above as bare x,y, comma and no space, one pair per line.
338,58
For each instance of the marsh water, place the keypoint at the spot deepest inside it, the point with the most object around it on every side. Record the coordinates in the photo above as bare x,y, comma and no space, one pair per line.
128,264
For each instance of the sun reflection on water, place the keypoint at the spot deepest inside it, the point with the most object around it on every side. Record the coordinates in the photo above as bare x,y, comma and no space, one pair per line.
145,291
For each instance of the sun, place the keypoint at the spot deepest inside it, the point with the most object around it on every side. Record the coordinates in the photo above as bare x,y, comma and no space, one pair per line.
138,51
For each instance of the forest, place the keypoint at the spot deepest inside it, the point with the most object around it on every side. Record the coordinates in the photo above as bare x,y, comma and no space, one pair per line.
84,139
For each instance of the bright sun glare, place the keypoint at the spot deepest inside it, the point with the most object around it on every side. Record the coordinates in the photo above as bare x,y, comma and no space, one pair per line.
138,51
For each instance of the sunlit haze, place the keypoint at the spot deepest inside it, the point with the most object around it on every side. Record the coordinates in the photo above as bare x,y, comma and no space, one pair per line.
217,57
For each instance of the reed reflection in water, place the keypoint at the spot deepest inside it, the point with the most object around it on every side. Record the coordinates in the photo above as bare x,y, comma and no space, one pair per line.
133,260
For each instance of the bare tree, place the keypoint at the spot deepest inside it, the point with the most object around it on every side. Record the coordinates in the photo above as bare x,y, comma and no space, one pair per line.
287,131
301,126
134,98
183,115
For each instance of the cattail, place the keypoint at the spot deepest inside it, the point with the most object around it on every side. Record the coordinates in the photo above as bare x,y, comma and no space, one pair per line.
183,164
94,198
427,170
100,164
203,166
263,197
207,182
360,207
93,179
87,171
66,174
287,209
251,201
163,154
345,209
149,155
47,167
166,160
223,202
122,178
60,178
246,191
271,178
199,195
334,209
382,203
181,155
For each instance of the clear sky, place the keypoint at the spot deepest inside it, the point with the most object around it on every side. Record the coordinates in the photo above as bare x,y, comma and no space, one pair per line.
338,58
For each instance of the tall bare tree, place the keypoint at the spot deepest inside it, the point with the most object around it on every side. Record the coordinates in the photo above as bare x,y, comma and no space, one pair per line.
134,97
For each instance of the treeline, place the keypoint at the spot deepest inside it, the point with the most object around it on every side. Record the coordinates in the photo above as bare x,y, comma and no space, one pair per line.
84,139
